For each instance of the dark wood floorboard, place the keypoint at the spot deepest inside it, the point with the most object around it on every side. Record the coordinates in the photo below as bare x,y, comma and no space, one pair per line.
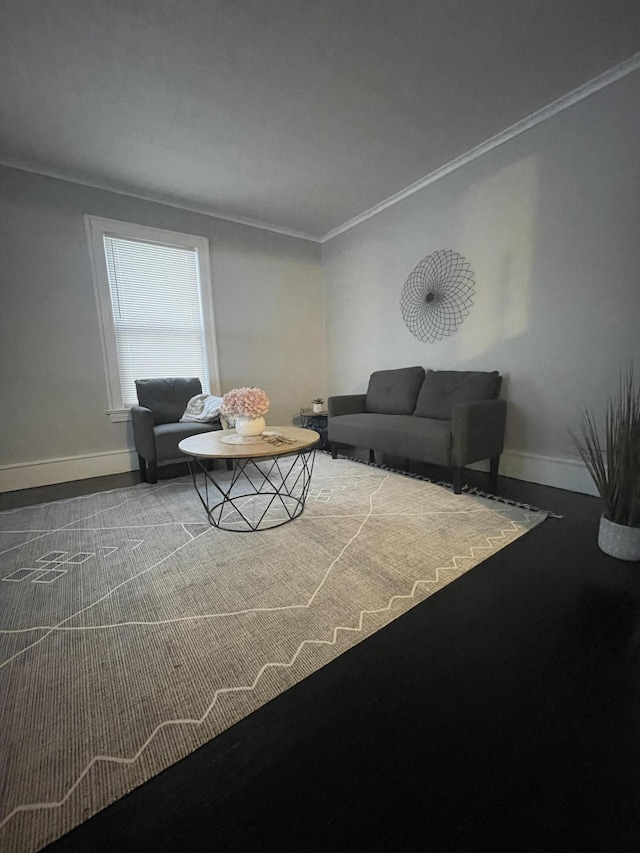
502,714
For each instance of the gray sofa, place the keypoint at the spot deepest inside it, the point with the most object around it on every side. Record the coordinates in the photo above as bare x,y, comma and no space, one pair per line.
447,417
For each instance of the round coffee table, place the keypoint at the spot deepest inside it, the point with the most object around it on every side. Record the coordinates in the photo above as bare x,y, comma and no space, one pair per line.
269,480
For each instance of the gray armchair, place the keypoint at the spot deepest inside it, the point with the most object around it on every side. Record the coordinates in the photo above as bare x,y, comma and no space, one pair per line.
156,421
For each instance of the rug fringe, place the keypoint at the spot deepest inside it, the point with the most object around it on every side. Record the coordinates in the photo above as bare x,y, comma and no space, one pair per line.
445,485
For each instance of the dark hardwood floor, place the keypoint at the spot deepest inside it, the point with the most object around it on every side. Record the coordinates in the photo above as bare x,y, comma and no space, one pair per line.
502,714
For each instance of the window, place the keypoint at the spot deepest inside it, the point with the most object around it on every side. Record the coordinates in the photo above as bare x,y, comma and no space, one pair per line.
154,299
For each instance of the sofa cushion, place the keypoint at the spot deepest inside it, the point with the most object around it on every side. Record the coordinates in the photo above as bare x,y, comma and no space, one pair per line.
444,389
420,439
394,392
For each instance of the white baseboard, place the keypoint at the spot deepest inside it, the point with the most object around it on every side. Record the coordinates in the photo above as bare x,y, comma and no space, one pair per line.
569,474
28,475
561,473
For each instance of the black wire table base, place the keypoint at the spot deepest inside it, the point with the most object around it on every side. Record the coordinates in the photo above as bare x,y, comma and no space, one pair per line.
259,494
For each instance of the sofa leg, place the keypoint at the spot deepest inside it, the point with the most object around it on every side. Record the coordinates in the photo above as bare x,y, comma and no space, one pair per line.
334,450
152,476
372,456
494,464
457,481
142,462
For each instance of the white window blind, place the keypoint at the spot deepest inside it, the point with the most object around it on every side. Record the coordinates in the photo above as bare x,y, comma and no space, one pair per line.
157,311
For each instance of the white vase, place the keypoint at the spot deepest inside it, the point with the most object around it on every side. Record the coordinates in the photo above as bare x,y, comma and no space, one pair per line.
317,407
249,426
619,540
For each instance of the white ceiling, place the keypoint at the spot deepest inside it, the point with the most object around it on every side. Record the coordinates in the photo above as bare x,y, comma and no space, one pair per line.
300,114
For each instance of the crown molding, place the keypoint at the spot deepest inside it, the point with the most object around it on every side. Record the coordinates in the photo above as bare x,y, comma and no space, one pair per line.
575,96
156,199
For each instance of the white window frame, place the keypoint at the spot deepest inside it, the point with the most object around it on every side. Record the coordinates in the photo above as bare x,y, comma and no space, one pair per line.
97,227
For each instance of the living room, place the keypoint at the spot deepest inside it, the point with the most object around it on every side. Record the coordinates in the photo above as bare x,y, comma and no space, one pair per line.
307,273
547,219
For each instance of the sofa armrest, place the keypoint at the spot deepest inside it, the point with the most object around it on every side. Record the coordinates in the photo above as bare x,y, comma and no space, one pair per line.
346,404
477,431
143,437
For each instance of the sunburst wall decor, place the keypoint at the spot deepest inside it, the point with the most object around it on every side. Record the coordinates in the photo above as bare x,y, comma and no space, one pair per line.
437,295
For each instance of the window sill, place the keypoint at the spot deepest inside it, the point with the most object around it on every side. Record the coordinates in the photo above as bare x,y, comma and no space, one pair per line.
117,416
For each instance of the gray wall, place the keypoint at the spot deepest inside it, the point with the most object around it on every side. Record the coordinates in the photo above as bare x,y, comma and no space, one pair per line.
268,303
550,222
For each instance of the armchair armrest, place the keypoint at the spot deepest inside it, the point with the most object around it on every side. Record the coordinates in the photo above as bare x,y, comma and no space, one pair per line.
143,437
346,404
477,431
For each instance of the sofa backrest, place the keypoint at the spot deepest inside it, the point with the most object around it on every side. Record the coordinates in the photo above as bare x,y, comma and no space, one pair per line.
167,398
394,392
443,389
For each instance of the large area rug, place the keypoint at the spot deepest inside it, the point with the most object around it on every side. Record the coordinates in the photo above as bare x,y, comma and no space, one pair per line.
132,632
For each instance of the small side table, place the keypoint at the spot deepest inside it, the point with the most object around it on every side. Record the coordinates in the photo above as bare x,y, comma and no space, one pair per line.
317,421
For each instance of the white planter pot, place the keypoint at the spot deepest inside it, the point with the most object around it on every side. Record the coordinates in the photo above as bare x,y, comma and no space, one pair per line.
317,407
618,540
249,426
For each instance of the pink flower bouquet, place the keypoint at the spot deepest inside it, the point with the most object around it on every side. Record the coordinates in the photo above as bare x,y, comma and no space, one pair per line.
250,402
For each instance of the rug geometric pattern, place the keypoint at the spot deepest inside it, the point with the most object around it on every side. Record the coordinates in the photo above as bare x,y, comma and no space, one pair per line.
132,632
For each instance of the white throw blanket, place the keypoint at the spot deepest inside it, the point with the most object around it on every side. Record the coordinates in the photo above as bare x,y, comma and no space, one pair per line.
202,408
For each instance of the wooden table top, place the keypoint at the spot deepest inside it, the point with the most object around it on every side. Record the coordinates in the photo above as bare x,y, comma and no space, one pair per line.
209,445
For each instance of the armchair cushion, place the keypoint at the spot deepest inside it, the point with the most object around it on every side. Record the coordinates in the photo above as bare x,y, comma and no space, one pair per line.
444,389
169,436
167,398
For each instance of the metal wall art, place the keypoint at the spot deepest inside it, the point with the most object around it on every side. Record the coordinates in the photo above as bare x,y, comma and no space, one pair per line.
437,295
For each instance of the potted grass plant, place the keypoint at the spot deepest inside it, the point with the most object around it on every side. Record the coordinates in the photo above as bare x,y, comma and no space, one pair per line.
317,404
611,453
